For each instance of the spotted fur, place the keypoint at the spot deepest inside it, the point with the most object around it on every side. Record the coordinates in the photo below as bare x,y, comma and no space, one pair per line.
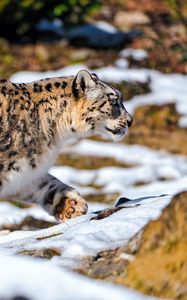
36,119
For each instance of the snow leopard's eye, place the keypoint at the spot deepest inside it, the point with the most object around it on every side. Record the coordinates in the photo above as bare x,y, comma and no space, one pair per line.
115,102
113,97
115,110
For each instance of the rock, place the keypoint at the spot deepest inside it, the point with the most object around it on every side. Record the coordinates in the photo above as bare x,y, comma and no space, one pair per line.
42,53
46,253
29,223
80,55
160,267
104,213
154,261
109,264
132,89
156,126
124,19
100,35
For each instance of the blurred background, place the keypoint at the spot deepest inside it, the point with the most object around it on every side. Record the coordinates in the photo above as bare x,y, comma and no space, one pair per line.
140,47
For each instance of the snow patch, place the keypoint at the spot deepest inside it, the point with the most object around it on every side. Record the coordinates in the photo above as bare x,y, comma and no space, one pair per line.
160,171
81,237
137,54
105,26
45,281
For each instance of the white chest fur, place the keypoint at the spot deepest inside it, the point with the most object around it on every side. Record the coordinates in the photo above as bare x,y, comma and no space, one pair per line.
14,182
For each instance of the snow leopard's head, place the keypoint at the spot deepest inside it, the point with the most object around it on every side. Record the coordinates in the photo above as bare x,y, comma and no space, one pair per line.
99,107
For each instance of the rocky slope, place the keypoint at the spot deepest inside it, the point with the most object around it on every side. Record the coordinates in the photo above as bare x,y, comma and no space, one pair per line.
160,267
154,261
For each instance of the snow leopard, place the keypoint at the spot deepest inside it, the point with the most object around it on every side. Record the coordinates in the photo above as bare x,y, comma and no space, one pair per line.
37,119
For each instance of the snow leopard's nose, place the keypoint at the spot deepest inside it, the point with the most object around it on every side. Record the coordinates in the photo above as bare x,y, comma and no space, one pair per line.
129,120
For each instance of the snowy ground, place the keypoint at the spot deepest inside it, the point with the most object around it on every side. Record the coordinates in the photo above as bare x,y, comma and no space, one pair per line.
149,167
44,281
73,240
82,237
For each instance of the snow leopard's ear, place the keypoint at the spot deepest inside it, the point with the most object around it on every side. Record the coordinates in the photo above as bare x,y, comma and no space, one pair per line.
82,82
95,77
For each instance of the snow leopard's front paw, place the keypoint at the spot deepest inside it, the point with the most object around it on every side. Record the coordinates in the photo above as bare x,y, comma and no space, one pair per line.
67,204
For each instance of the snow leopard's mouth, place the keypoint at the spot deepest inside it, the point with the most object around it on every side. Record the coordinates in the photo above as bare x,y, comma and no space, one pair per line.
117,131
